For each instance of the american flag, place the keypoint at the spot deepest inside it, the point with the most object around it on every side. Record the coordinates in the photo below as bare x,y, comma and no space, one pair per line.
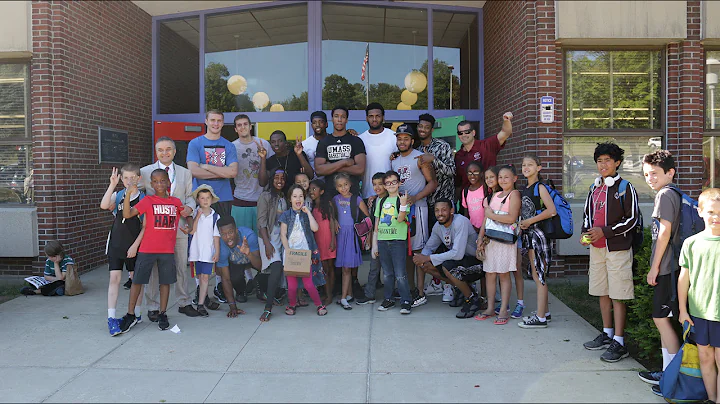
365,62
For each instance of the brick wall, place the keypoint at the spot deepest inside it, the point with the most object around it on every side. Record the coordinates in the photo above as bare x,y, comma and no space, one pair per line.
91,66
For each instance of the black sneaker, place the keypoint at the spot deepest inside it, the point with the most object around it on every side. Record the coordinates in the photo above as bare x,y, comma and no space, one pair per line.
602,341
197,296
419,301
127,285
532,322
465,310
650,377
219,294
615,352
414,294
396,294
386,305
201,311
163,323
153,315
405,308
186,310
241,297
656,390
458,300
364,300
127,322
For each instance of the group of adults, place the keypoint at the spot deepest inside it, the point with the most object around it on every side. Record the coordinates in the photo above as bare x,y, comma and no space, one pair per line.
247,162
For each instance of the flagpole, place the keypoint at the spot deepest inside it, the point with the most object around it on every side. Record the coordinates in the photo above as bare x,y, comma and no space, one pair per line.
367,77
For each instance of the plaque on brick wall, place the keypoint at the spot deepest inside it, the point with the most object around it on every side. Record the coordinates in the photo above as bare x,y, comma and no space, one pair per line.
113,145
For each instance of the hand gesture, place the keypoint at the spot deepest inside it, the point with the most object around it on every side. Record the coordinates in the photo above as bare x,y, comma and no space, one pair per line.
132,251
114,177
269,250
352,132
261,151
305,209
508,116
298,146
425,158
245,247
404,199
394,155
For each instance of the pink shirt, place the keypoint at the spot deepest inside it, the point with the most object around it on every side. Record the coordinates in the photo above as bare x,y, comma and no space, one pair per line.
599,219
474,205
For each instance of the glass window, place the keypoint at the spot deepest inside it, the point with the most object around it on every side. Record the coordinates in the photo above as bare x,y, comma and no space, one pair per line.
16,182
13,94
395,42
455,50
613,89
580,170
257,60
711,162
179,66
712,95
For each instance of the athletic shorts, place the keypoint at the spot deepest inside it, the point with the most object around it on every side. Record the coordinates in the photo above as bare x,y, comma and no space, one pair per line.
469,269
610,274
421,228
116,264
663,304
707,332
245,216
204,268
165,264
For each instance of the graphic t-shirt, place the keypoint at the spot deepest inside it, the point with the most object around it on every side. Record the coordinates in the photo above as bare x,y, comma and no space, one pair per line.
701,255
310,148
50,266
412,179
247,187
219,153
161,216
334,149
483,151
388,226
378,148
667,207
234,255
474,204
599,219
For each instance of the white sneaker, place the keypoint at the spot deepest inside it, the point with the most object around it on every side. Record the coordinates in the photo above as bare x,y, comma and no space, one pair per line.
433,289
448,294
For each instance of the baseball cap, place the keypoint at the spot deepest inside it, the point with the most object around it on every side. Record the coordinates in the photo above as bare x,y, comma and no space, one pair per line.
405,128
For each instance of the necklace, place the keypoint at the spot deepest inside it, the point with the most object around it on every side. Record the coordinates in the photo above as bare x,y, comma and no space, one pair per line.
287,158
599,204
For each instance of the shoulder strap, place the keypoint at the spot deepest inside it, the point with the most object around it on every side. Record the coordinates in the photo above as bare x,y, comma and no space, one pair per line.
353,207
118,199
466,191
216,216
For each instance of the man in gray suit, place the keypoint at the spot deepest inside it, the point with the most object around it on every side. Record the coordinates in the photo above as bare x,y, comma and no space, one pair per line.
181,188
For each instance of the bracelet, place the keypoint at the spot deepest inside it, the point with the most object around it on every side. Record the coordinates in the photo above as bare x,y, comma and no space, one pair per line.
403,208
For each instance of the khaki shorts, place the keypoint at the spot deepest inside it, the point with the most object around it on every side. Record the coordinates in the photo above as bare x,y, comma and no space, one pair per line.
611,274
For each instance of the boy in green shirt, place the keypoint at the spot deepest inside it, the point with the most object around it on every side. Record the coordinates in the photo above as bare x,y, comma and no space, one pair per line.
699,288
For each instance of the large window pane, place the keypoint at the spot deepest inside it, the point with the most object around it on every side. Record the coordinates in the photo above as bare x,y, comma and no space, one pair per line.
711,162
455,50
580,170
179,66
396,41
712,95
16,183
613,89
13,99
257,60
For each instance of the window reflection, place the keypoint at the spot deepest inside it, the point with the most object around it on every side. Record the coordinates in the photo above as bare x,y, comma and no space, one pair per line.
179,66
711,162
257,60
712,95
16,182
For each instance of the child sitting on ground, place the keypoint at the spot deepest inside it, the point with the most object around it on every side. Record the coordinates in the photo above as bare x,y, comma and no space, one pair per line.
56,266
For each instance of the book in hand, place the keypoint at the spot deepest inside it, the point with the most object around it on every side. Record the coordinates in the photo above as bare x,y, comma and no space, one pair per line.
37,281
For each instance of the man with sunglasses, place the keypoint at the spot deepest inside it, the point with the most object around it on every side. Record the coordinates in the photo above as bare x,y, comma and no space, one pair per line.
483,151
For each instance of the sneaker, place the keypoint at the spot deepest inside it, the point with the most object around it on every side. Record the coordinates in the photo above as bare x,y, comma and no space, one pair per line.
201,311
386,305
614,353
405,308
419,301
139,319
468,310
459,299
517,312
241,297
27,291
533,322
602,341
127,285
127,322
548,317
195,299
651,377
114,326
163,323
656,390
188,311
414,294
364,300
153,315
448,294
219,293
433,289
211,304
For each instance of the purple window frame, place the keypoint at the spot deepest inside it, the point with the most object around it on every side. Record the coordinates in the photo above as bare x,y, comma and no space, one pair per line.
314,9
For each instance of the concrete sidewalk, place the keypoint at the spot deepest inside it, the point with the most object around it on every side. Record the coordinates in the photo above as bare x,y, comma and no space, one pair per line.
57,349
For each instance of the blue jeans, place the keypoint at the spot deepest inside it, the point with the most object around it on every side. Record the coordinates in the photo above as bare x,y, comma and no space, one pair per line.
393,254
373,274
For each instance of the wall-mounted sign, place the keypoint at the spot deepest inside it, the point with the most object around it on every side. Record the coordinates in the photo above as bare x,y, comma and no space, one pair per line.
547,109
113,145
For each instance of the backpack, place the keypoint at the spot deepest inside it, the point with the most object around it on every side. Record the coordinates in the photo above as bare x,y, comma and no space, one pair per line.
690,221
682,381
119,199
559,226
637,231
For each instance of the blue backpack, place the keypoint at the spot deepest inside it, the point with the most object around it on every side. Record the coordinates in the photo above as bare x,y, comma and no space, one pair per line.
119,199
559,226
637,231
681,381
690,221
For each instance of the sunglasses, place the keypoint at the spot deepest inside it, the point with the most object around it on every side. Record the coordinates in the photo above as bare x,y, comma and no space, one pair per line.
464,132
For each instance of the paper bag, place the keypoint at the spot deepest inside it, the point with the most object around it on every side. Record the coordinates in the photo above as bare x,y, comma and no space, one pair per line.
298,263
73,286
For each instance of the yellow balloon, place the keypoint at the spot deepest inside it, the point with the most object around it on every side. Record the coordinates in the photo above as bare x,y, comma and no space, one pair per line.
277,108
396,125
260,100
403,106
408,98
237,84
415,81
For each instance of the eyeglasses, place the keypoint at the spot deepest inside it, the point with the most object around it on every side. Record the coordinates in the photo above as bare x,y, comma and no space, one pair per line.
464,132
472,173
391,183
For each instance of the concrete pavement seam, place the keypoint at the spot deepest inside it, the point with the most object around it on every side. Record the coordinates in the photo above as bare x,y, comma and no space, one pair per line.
63,385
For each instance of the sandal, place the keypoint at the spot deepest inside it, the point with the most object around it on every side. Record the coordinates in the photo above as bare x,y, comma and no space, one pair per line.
290,310
321,311
482,317
501,320
265,317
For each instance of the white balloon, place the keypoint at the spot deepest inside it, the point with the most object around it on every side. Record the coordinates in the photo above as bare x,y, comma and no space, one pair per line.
277,108
415,81
260,100
237,84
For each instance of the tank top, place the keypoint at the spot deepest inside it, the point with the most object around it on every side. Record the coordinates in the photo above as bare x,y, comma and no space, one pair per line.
412,179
